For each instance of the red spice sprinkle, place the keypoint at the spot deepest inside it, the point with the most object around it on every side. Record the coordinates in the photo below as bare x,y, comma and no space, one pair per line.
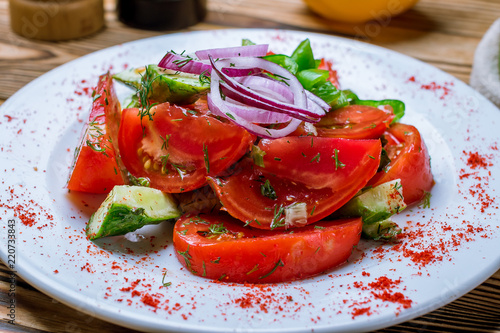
150,300
433,86
88,268
394,298
360,311
384,282
476,161
27,210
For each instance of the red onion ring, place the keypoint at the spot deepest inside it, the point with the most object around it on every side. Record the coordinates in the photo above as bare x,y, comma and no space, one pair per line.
258,50
217,106
298,109
184,64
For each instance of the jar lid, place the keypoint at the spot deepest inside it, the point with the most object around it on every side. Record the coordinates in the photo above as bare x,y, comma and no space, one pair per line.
56,19
161,14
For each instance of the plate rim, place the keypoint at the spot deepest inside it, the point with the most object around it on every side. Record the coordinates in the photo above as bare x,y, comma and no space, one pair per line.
33,279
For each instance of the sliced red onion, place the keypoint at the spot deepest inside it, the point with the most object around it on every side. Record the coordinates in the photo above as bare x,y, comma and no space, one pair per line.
280,91
267,86
185,64
258,50
253,114
318,101
257,103
299,108
218,106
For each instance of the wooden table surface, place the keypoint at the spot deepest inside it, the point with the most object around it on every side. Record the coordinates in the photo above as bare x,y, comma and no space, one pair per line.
443,33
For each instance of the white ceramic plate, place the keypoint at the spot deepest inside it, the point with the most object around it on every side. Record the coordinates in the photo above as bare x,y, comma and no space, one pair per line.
456,247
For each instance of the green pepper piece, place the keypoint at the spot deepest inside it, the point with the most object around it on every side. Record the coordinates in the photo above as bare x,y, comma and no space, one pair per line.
310,78
334,97
284,61
303,55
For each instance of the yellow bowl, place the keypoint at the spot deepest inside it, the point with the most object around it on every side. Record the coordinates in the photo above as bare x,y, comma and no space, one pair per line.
358,11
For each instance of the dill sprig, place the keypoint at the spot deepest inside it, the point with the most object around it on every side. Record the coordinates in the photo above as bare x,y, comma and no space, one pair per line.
144,92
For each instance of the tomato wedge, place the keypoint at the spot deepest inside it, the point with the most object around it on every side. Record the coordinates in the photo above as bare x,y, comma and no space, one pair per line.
409,162
180,146
219,247
293,189
95,167
317,162
353,122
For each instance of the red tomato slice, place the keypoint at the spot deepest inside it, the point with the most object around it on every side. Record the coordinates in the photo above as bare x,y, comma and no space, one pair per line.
95,168
409,162
318,162
180,146
333,77
353,122
218,247
248,193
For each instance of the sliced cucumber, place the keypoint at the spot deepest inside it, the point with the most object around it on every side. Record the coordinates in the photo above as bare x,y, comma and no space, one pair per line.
128,208
385,229
167,86
377,203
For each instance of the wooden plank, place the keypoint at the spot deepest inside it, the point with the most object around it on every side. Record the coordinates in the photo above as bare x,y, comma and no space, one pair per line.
38,312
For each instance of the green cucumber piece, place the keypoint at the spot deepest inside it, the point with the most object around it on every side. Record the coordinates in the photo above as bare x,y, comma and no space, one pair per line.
384,229
128,208
167,86
377,203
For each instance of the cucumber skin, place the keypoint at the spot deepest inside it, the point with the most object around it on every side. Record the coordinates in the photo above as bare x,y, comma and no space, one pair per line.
375,204
165,87
384,229
369,214
120,220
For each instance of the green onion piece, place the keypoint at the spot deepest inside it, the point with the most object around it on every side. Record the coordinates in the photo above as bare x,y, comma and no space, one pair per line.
257,155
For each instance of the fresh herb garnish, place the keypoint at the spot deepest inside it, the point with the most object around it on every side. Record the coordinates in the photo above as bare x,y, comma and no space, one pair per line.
335,156
278,264
187,259
205,156
267,190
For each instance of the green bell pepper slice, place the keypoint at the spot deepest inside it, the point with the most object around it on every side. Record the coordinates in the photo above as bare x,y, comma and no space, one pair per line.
303,55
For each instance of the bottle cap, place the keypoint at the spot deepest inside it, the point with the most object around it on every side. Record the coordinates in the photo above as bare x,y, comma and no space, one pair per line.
161,14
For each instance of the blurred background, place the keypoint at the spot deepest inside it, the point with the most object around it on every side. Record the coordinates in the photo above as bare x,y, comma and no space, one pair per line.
443,33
